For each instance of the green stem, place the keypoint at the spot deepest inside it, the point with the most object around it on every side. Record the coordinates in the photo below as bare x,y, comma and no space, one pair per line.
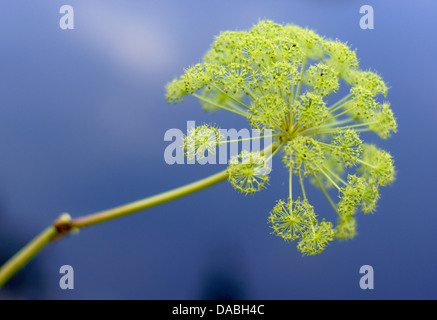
230,97
325,193
20,259
302,186
146,203
64,224
296,96
249,93
338,115
334,130
329,178
325,126
339,103
300,82
367,164
62,227
334,175
290,187
240,113
250,139
344,127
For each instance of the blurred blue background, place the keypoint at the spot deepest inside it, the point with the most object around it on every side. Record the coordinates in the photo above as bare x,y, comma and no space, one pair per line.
82,121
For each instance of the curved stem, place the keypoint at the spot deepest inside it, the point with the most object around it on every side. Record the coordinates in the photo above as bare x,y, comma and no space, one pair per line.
65,224
20,259
62,226
146,203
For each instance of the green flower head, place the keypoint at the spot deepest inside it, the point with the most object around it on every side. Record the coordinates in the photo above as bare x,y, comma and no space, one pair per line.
248,172
287,79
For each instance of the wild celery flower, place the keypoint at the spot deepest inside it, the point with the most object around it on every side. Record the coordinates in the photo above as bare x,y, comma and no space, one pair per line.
284,78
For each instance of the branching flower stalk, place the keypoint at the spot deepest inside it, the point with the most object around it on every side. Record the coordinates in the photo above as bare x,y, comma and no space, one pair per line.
282,78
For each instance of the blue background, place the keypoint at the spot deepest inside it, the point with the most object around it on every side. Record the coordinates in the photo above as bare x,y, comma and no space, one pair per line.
82,121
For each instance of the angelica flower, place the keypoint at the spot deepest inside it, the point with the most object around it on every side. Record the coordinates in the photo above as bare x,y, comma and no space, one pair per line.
315,239
322,79
377,165
290,219
346,146
248,172
346,228
383,121
306,154
200,141
351,195
311,110
286,79
369,80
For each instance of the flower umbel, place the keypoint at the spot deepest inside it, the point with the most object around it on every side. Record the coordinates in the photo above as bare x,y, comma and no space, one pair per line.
248,172
290,220
200,141
285,78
